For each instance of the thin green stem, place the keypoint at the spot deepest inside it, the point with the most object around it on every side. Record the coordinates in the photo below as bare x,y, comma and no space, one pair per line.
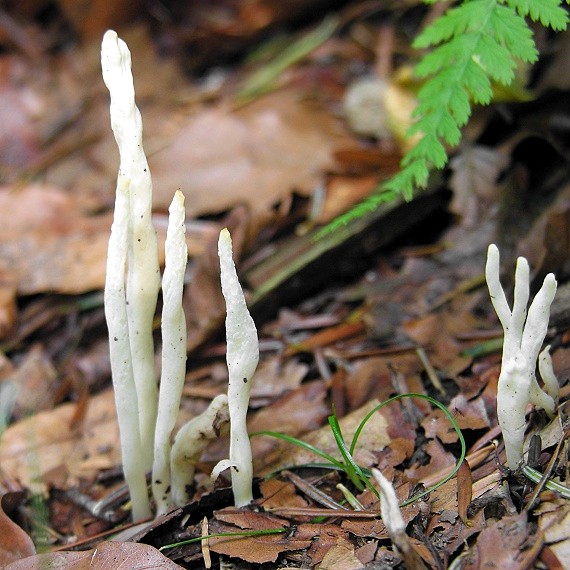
225,534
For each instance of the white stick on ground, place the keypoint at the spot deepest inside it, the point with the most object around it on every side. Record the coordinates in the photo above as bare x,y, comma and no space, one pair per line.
524,336
173,350
242,357
143,277
395,524
389,505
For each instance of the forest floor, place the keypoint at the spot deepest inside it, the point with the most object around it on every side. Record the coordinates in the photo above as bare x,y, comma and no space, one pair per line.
392,304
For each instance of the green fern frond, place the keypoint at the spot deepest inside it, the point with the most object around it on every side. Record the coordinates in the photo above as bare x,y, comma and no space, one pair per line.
549,12
474,44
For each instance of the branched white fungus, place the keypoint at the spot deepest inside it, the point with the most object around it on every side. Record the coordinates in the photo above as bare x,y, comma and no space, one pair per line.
143,275
190,442
524,335
173,350
551,384
242,357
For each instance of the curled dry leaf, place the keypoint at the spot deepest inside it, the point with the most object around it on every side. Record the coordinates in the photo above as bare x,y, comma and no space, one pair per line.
14,542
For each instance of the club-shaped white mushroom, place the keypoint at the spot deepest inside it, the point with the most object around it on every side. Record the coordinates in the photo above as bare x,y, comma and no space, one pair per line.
173,351
242,357
143,275
126,399
524,335
137,254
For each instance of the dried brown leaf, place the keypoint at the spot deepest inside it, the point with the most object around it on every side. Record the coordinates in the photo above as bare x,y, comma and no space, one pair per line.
256,155
49,438
341,555
253,549
464,490
297,412
469,414
49,243
554,521
116,555
508,544
278,493
36,379
14,542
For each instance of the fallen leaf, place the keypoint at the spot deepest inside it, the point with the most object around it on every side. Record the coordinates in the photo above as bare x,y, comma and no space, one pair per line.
274,378
330,537
342,193
341,555
34,446
118,555
8,305
439,459
554,521
295,413
256,155
278,493
469,414
14,542
367,551
464,490
254,549
49,242
36,380
507,544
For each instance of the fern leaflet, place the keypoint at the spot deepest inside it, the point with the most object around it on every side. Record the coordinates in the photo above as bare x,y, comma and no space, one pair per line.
474,43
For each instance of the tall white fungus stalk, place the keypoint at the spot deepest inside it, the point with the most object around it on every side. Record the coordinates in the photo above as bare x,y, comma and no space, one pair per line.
242,357
131,290
173,351
126,400
138,256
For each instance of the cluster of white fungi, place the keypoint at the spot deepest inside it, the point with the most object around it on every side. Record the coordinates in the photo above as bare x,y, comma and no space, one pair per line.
147,415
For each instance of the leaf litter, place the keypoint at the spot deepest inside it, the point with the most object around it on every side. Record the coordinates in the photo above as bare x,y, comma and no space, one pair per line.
401,319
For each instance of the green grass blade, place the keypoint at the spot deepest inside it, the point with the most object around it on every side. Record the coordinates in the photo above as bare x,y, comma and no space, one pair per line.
449,417
304,445
351,468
